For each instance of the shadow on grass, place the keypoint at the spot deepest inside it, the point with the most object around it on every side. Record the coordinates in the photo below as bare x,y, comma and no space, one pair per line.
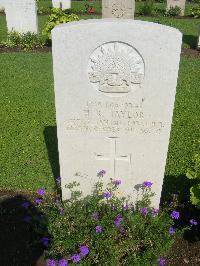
191,40
176,185
50,136
22,228
179,186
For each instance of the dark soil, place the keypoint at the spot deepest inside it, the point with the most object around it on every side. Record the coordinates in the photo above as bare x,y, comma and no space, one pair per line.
44,49
190,52
19,239
185,252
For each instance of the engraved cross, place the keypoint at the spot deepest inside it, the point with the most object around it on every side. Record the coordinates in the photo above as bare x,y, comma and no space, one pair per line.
113,158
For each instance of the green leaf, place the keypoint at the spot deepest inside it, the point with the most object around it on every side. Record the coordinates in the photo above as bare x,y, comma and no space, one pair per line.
195,195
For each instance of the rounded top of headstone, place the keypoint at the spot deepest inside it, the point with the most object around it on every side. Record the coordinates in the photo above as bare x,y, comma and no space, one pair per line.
137,23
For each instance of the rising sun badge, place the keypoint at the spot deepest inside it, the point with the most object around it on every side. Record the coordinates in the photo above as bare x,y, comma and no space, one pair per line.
115,67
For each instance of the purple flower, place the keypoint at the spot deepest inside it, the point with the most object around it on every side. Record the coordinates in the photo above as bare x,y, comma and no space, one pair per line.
107,195
125,207
116,182
84,250
41,192
75,258
155,212
38,201
162,261
27,219
172,230
147,184
45,241
144,211
118,220
193,222
58,180
62,262
101,173
98,229
95,216
175,215
25,204
50,262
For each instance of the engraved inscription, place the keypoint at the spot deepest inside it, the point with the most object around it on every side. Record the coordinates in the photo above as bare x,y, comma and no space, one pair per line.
115,67
113,157
118,10
112,117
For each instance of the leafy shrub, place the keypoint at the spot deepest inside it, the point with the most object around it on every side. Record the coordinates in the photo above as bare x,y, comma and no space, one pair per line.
43,10
146,8
195,11
194,174
173,11
159,11
104,229
26,41
57,17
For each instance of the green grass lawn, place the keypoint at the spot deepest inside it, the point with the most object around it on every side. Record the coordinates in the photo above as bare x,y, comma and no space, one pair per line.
28,135
27,109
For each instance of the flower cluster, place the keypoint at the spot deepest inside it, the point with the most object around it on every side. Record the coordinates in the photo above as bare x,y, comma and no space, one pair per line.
75,258
98,229
117,225
51,262
162,261
117,182
118,220
172,230
193,222
41,192
107,195
101,173
155,212
147,184
144,211
175,215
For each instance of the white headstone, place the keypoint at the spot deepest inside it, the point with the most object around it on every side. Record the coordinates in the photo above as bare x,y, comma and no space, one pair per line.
2,5
21,16
118,8
57,3
198,41
114,101
64,4
179,3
